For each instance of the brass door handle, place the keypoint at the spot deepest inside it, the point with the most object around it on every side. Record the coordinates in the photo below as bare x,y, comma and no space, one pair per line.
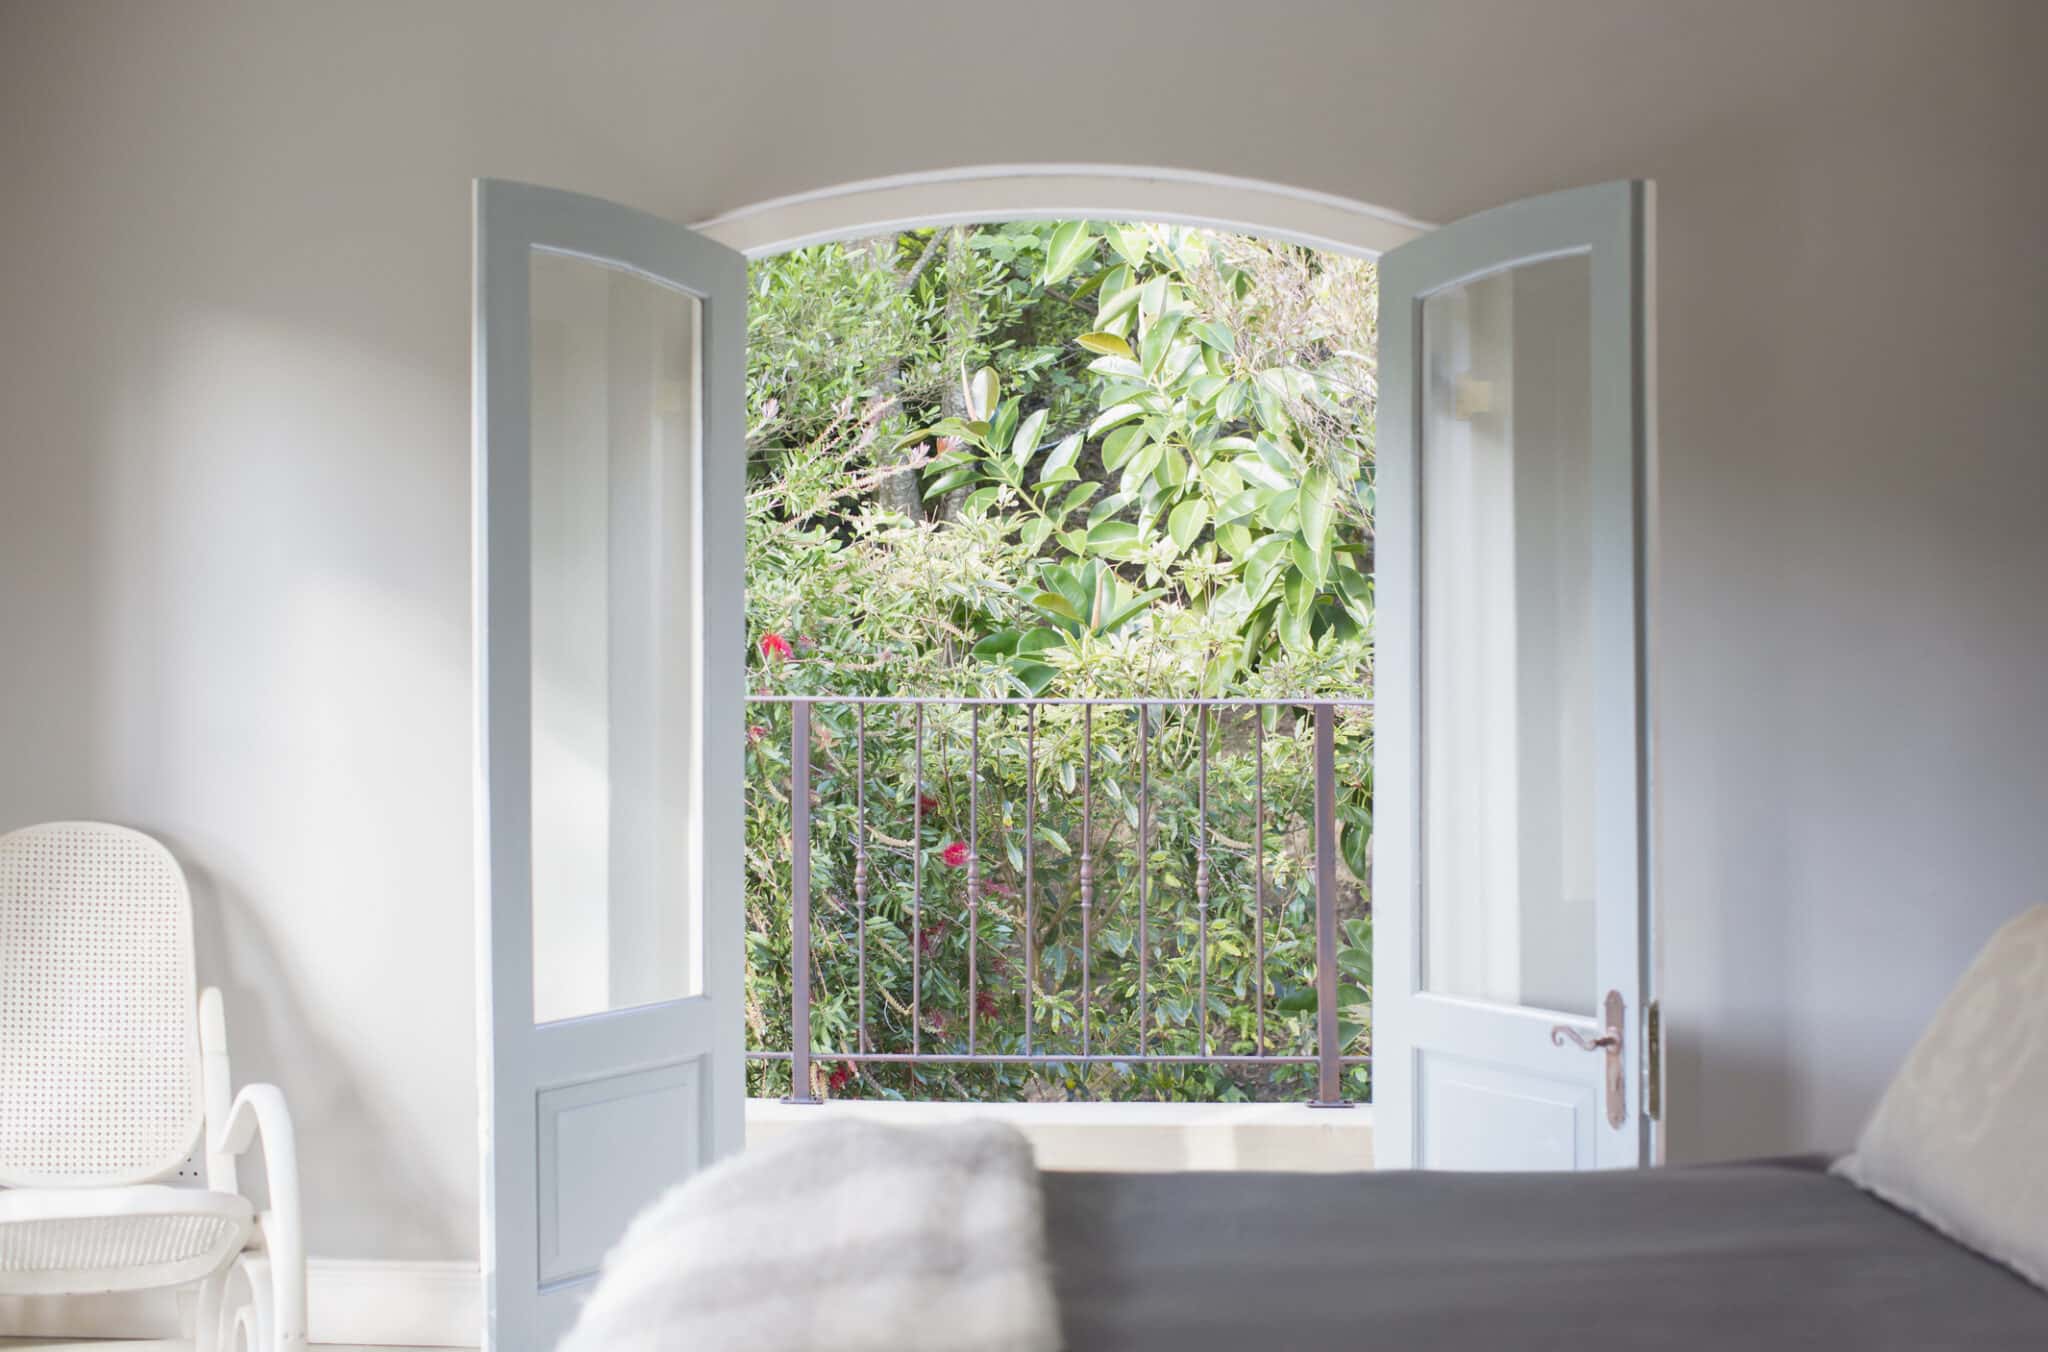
1563,1032
1609,1041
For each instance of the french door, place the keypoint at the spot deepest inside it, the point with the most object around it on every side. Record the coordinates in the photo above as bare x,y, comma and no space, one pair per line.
1510,880
608,403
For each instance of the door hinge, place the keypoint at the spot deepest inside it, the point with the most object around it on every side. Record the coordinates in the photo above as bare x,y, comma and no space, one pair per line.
1653,1062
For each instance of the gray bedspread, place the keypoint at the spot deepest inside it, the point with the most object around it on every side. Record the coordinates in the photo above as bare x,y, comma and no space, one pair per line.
1728,1257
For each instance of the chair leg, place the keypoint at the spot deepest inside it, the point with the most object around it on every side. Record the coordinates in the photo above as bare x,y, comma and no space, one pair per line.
253,1324
206,1318
288,1302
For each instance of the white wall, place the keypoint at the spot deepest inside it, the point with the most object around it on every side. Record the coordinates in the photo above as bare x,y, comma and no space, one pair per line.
234,276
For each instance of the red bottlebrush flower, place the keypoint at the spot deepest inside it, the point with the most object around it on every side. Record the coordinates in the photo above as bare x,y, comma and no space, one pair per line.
756,733
955,854
841,1077
985,1004
996,889
927,804
774,647
929,936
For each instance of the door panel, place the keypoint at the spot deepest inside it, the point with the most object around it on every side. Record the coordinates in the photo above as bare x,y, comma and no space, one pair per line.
1510,900
606,1146
610,364
1477,1115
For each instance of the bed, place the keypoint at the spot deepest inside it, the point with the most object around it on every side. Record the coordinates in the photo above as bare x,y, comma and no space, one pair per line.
1765,1255
860,1236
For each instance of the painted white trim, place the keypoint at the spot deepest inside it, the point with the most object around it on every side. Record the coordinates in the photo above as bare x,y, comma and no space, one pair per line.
1043,191
357,1301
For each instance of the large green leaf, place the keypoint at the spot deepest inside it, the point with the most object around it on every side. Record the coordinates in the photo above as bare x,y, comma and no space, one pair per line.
982,389
1307,561
1033,676
1108,344
1061,458
1172,470
958,476
1301,593
1070,244
1027,438
1318,508
1118,446
1259,472
1186,523
1125,611
1002,424
1116,310
1112,533
1055,604
1076,495
1114,416
1107,508
1038,640
1216,336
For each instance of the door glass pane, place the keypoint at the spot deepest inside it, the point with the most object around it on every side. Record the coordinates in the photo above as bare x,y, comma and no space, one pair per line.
614,437
1507,642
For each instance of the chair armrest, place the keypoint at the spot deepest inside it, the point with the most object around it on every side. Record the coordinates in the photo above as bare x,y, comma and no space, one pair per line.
259,1113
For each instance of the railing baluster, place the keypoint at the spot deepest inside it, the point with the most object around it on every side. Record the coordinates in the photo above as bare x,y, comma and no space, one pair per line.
1202,875
1259,863
1329,1087
1030,878
860,863
917,891
1087,864
1144,871
973,875
800,904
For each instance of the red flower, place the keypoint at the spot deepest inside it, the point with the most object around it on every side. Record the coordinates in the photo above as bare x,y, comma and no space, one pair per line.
927,804
841,1077
774,647
756,732
955,854
985,1004
929,936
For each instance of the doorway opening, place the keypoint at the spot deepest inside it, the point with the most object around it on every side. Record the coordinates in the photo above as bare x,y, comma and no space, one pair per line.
1060,614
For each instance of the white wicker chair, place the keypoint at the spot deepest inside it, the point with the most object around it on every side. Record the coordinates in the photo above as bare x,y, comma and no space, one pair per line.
111,1068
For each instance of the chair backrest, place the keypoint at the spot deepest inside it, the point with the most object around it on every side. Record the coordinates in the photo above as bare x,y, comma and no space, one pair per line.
99,1026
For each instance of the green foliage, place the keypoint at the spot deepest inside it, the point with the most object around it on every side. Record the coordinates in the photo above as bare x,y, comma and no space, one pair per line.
1137,462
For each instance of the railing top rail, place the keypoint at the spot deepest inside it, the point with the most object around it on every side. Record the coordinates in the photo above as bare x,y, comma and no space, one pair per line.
1116,701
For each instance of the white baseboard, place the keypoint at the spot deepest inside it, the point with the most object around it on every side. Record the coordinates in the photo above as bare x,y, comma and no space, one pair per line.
384,1304
348,1300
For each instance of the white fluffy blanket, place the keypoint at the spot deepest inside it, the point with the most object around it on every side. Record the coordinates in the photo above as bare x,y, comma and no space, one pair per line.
847,1236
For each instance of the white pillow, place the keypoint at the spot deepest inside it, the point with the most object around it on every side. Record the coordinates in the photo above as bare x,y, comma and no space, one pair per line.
1960,1139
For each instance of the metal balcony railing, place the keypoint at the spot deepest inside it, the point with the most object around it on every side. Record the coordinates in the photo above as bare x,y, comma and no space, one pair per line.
1139,725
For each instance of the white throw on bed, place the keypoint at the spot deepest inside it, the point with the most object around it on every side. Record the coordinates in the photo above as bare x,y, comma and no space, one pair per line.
845,1235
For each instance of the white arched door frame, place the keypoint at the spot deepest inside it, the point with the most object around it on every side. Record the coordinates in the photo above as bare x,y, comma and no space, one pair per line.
1217,201
1061,191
